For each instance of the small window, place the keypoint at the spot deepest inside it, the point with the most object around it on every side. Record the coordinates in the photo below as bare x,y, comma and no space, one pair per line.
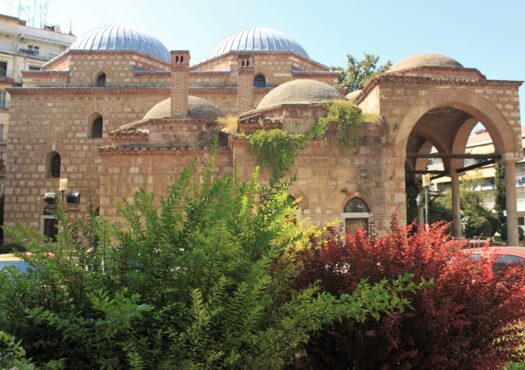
96,127
3,99
3,69
53,165
34,68
34,50
101,80
507,260
259,81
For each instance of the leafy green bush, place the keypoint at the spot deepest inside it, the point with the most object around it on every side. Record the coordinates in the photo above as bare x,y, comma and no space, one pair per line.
478,226
201,278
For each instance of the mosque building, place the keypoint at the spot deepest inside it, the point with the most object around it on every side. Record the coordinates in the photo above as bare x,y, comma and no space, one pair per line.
117,111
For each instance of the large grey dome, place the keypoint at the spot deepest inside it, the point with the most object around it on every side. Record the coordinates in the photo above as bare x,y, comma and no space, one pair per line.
299,92
198,108
257,39
121,38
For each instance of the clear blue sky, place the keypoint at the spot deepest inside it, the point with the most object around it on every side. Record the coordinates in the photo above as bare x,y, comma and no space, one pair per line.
485,34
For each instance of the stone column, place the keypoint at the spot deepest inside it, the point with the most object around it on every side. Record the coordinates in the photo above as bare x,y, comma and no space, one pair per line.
456,206
245,75
510,193
180,73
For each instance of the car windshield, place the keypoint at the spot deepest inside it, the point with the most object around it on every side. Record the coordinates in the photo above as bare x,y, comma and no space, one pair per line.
507,260
20,265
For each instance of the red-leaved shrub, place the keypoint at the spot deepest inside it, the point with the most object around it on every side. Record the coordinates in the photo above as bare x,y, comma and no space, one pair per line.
465,320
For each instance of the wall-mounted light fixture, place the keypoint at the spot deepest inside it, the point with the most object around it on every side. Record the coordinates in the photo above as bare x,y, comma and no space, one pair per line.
73,198
50,198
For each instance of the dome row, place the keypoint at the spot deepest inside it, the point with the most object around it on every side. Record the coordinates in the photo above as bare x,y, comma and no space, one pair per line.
296,91
115,38
291,92
256,39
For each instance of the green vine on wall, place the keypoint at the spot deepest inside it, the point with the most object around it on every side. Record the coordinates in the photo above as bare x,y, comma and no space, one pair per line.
348,118
277,148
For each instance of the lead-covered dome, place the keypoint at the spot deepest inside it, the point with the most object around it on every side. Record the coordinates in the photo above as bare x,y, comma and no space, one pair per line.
299,92
256,39
121,38
425,60
198,108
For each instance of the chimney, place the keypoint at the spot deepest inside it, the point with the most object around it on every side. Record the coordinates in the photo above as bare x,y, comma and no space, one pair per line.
180,71
245,75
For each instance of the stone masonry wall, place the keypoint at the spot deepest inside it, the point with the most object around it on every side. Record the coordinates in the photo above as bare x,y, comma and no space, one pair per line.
125,173
42,123
329,176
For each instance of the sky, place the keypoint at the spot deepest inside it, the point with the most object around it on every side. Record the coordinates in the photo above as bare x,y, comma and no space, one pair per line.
485,34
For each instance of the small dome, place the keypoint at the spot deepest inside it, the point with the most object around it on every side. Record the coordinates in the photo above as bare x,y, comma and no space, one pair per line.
352,95
198,108
256,39
113,38
425,60
299,91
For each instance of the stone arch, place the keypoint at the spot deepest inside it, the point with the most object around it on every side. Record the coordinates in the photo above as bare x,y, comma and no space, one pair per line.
461,139
499,129
427,147
298,193
356,194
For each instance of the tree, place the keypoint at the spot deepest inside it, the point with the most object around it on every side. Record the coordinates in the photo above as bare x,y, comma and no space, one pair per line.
465,320
357,72
201,278
480,221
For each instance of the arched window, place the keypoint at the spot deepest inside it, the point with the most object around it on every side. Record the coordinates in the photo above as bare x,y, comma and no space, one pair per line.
101,80
49,225
259,81
355,215
53,163
96,127
356,205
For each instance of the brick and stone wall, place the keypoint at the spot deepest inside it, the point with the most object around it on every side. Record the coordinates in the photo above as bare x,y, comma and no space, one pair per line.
59,121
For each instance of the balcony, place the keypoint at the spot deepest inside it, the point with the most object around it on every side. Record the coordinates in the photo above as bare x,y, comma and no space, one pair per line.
30,52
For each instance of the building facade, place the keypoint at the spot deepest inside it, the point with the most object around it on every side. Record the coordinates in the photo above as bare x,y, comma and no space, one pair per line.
23,48
117,112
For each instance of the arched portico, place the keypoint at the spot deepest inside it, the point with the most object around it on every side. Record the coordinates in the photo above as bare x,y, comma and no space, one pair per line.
445,117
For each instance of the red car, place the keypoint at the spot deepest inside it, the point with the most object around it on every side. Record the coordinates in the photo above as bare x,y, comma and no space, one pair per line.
499,257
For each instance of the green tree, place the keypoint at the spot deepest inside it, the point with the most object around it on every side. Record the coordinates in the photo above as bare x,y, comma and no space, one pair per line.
357,72
480,219
201,278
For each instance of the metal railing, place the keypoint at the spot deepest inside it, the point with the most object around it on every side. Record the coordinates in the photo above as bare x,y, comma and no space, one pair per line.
31,52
